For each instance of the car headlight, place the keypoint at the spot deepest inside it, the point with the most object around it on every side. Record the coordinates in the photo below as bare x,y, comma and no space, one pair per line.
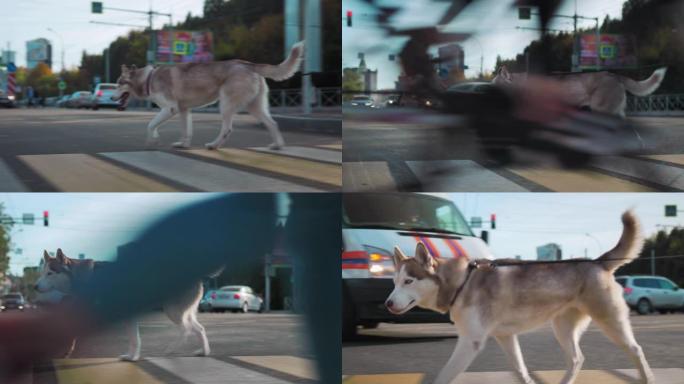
11,97
428,103
21,307
380,263
2,307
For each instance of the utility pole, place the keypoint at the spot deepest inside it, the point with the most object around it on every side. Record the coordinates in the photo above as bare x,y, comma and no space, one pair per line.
61,40
652,261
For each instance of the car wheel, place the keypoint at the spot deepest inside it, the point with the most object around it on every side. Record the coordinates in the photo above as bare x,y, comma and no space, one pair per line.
245,308
644,307
663,311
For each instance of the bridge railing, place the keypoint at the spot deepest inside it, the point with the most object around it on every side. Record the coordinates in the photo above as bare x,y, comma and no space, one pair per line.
656,105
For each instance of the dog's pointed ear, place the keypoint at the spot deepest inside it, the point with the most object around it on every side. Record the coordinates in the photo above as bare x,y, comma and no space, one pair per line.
398,257
46,256
423,256
61,257
133,67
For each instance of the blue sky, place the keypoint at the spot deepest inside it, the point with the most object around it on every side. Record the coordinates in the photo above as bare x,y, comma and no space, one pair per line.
90,223
494,23
24,20
527,220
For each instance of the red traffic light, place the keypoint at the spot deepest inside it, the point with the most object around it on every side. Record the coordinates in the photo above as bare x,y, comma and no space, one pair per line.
349,18
46,218
492,220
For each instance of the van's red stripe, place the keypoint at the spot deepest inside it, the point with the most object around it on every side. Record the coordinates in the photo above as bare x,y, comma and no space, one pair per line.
454,250
355,255
460,247
354,266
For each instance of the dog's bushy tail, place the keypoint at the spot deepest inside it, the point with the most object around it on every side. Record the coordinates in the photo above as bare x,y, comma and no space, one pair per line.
287,68
648,86
629,246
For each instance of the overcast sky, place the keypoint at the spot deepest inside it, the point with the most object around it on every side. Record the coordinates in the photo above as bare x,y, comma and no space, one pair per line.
493,23
24,20
527,220
90,223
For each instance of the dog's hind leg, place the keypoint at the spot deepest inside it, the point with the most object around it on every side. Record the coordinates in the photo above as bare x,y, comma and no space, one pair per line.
259,109
133,343
568,328
511,347
70,351
186,126
466,350
619,330
152,128
201,334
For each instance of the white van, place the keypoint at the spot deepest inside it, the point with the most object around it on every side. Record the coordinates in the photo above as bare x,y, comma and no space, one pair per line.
373,224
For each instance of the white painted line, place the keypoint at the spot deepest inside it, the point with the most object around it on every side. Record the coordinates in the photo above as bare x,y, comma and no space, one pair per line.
201,175
205,370
316,154
367,176
460,176
8,181
657,173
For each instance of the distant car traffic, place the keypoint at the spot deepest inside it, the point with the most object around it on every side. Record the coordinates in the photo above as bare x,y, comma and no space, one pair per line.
362,101
649,293
12,301
7,101
102,96
235,298
205,303
61,102
79,99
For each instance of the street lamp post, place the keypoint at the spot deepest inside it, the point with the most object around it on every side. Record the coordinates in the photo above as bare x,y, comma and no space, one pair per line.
62,42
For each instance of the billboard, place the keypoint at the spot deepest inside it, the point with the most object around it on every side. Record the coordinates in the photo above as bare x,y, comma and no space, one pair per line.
38,50
614,51
183,47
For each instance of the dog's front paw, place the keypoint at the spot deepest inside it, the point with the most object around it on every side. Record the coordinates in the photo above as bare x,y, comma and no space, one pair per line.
276,146
210,146
201,352
181,145
128,357
152,142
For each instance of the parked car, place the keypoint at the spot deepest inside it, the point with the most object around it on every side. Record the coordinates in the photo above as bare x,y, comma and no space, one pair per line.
648,293
79,99
362,101
12,301
102,96
236,298
7,101
206,304
61,102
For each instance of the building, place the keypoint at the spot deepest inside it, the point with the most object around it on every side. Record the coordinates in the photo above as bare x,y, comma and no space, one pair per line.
549,252
8,57
38,51
451,63
369,78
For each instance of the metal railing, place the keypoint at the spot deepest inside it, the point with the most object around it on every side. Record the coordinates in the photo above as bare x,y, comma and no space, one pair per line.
324,97
655,105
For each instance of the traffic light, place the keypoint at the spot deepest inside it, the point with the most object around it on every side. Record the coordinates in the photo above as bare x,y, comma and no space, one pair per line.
492,220
349,18
524,13
96,7
670,211
46,218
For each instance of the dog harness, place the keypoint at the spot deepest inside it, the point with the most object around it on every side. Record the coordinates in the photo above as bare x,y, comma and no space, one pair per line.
473,265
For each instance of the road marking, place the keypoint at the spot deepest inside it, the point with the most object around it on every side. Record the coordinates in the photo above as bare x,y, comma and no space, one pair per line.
201,175
578,181
331,146
395,378
100,371
309,170
367,176
84,173
644,170
461,176
206,370
8,181
618,376
316,154
675,159
292,365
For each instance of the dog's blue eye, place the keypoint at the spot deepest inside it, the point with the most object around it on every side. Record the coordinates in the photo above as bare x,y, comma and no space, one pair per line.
408,281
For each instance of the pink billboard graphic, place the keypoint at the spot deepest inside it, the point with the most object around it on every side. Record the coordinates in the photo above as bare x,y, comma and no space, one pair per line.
615,52
184,47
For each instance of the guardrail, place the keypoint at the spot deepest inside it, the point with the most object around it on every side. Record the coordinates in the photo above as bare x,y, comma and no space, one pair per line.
655,105
324,97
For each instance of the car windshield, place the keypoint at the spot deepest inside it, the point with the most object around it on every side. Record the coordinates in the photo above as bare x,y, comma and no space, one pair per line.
361,98
11,297
403,212
231,289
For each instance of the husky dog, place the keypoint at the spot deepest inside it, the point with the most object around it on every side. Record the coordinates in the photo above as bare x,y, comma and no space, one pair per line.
60,274
236,84
503,301
598,91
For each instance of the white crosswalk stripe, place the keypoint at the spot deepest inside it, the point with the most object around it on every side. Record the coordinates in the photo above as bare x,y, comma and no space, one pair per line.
293,169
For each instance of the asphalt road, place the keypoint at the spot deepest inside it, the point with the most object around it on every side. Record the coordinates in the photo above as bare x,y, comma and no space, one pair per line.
246,348
411,156
423,349
42,149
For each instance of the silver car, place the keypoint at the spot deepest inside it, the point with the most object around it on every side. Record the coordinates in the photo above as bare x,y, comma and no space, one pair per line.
236,298
102,96
79,99
648,293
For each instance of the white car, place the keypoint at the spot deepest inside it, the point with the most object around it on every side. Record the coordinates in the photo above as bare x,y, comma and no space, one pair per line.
236,298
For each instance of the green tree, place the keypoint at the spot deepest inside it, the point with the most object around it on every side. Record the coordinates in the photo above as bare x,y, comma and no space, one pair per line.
5,227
